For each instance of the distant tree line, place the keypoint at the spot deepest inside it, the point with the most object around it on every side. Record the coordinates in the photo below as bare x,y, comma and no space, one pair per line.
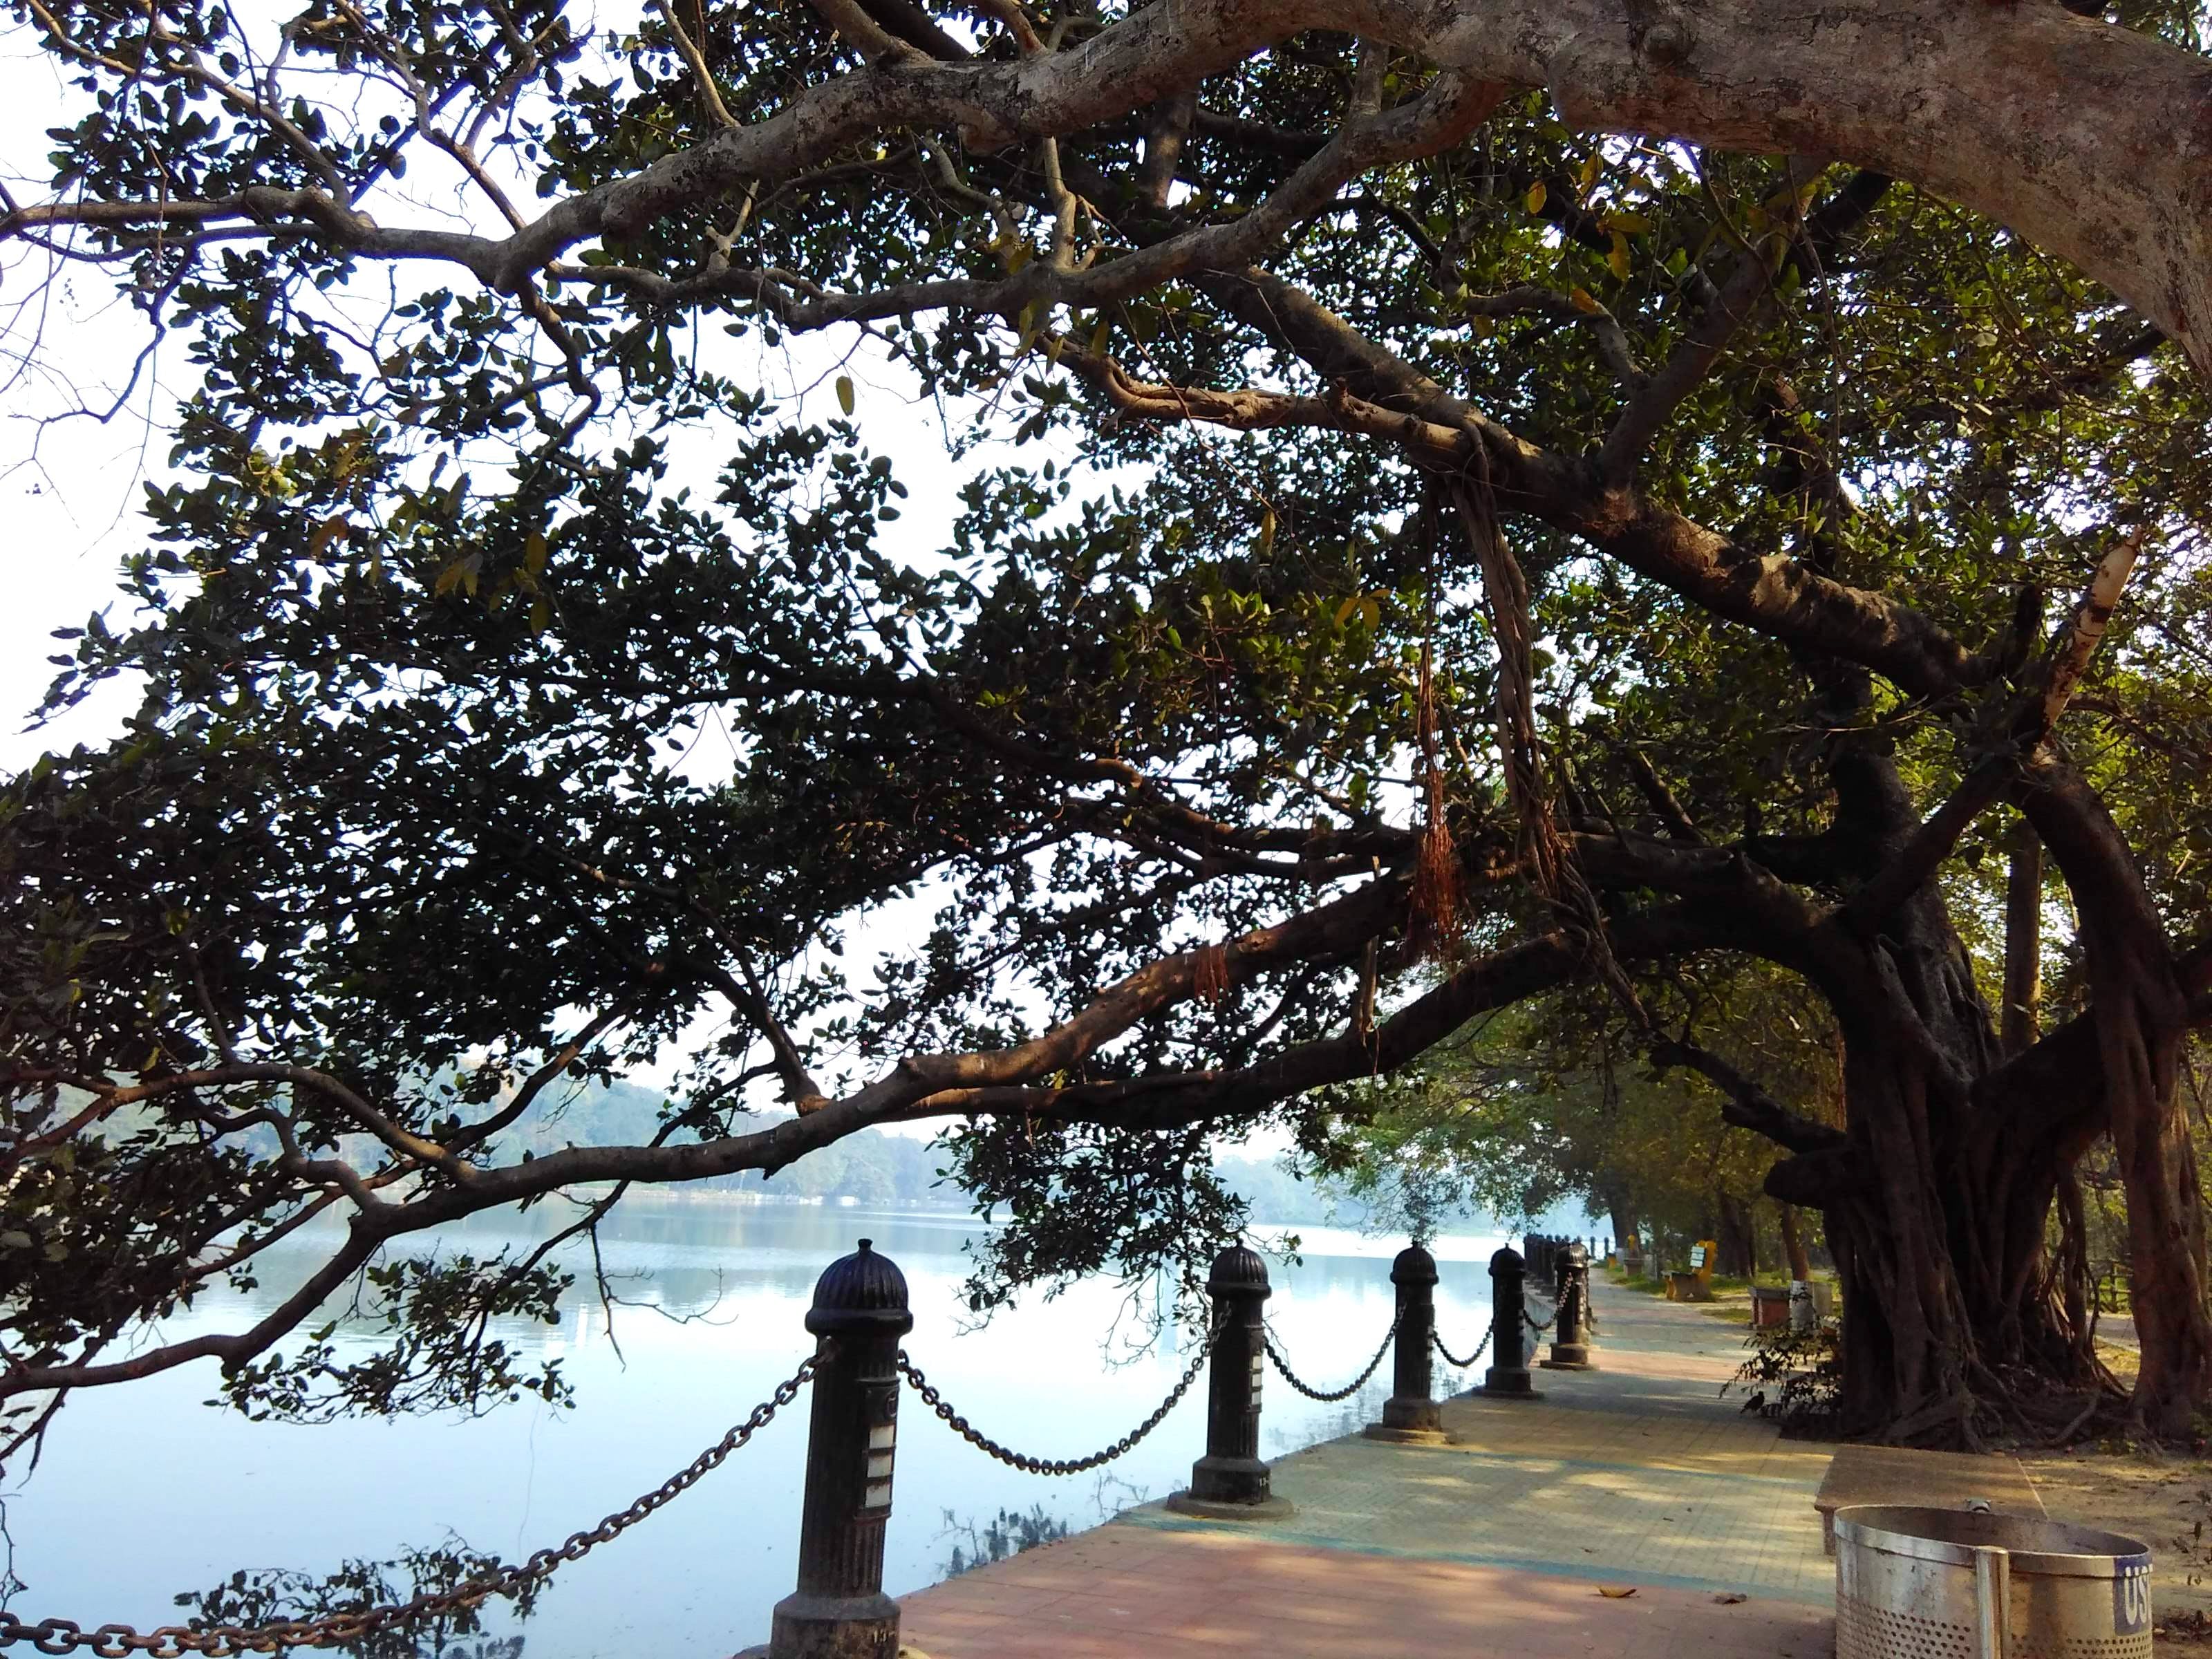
875,1168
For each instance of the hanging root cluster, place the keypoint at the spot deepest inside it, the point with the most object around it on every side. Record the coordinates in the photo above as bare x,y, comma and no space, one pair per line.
1547,858
1210,973
1437,925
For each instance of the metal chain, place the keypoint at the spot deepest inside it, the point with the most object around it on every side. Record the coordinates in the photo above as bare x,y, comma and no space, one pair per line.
983,1443
1534,1325
1454,1360
343,1629
1327,1397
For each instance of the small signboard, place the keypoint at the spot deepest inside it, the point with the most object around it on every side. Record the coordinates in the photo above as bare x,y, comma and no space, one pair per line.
2131,1595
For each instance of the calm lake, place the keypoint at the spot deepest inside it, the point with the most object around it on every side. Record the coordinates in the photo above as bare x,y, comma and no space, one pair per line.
145,1493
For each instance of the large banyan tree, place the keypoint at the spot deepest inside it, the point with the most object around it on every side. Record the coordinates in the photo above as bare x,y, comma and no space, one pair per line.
1462,501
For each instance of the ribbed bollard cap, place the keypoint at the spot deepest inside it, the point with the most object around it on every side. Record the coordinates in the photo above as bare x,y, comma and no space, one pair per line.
1414,1266
1508,1262
1237,1268
1578,1254
862,1291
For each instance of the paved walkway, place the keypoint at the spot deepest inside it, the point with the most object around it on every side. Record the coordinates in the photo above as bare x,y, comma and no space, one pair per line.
1630,1511
1123,1592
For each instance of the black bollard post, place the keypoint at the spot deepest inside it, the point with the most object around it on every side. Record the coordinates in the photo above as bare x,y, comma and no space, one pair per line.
1507,1375
1410,1416
1570,1343
839,1610
1230,1483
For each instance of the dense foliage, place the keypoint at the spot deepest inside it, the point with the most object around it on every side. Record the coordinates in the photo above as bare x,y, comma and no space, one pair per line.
1415,554
1542,1108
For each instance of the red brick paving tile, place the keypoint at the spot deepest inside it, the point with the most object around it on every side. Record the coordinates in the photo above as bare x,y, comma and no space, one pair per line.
1003,1600
1247,1599
1132,1591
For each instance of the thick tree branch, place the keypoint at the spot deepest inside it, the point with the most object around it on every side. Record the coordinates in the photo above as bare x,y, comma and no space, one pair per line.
2026,723
361,1243
1678,822
1746,300
1387,398
1988,107
1452,106
1746,1104
525,1095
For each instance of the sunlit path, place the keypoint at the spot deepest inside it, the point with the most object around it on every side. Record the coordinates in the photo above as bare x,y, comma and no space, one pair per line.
1519,1538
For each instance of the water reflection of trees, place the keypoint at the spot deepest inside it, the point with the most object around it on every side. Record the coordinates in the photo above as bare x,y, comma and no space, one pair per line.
1333,1422
1008,1532
263,1596
978,1544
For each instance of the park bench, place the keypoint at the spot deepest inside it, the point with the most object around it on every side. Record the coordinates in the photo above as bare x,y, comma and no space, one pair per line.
1697,1285
1941,1480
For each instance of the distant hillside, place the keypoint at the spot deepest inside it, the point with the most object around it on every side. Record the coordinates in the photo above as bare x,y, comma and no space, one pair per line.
1278,1197
870,1167
875,1168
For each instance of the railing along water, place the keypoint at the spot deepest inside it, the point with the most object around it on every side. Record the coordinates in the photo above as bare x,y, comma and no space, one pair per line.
359,1625
1507,1375
1410,1416
859,1313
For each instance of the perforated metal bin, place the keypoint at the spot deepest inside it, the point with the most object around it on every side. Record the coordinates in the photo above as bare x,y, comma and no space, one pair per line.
1915,1583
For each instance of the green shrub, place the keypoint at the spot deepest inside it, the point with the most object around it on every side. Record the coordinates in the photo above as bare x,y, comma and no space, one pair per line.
1795,1378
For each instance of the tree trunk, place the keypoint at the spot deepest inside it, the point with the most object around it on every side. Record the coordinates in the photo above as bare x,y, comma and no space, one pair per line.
2166,1215
1954,1152
1935,1224
2138,1021
1621,1213
1793,1244
1906,1335
1737,1238
2073,1270
2023,967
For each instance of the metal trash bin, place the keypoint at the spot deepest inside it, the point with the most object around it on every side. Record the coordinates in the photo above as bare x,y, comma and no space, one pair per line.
1920,1583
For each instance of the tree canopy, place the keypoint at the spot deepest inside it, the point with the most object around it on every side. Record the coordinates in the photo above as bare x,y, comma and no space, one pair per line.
1464,503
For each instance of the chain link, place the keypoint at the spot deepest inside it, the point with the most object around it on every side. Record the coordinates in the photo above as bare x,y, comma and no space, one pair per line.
983,1443
342,1629
1327,1397
1582,1298
1454,1360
